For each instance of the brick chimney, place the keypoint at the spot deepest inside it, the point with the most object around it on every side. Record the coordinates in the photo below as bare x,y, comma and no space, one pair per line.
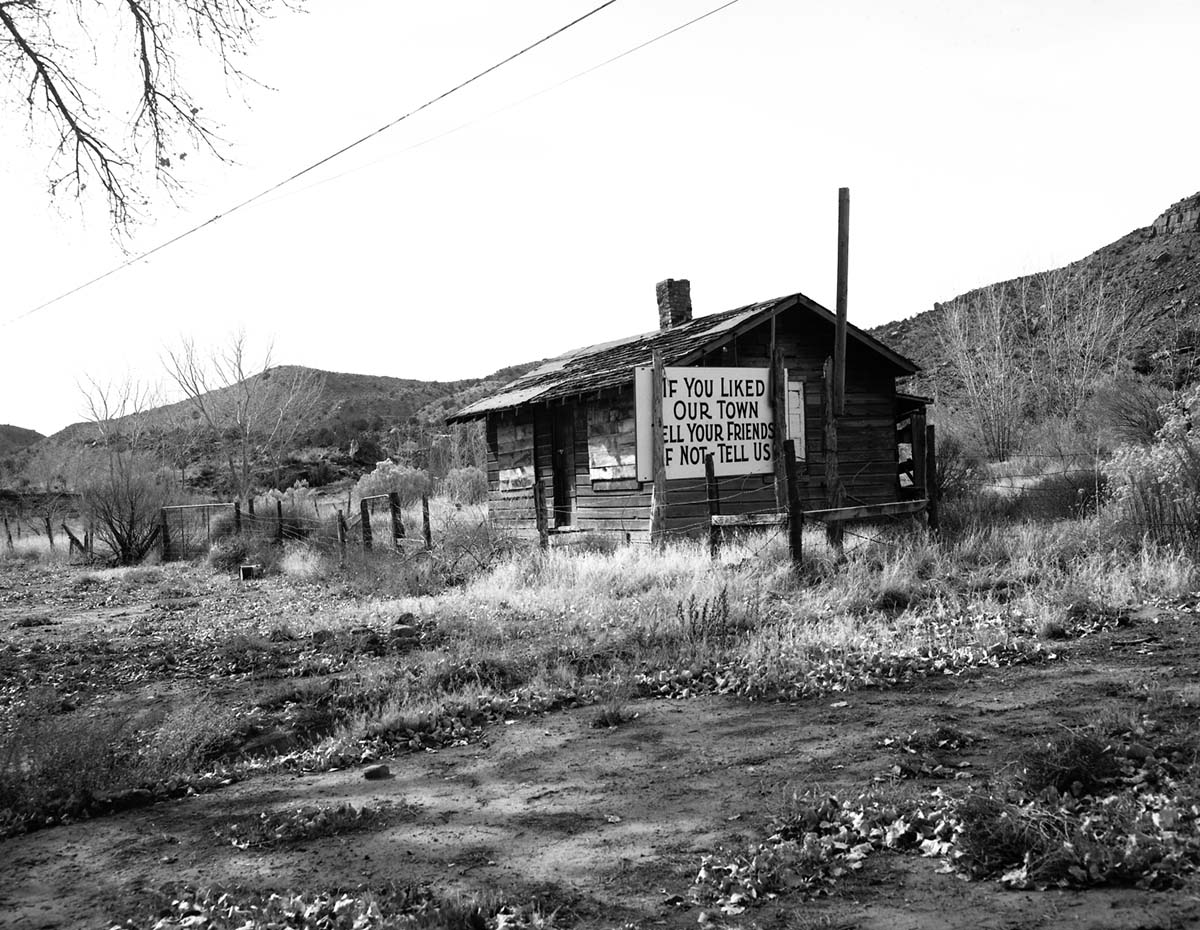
674,302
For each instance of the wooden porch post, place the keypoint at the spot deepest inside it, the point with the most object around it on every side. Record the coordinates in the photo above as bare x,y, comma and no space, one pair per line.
658,495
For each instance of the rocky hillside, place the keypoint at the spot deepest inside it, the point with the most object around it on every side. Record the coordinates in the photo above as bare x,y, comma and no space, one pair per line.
1155,268
15,438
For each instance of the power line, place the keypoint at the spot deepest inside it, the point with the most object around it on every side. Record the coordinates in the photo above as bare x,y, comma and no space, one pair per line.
313,166
507,107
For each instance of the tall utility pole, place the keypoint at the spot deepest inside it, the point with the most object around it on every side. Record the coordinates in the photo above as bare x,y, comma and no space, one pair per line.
839,343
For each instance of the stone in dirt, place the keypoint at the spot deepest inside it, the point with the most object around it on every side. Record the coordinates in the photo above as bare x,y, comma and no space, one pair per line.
376,772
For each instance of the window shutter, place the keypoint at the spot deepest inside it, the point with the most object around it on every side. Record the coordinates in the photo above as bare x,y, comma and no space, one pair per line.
795,416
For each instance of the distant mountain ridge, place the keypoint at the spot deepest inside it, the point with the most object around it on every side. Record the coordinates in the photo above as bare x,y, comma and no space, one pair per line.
1159,264
16,438
348,405
347,427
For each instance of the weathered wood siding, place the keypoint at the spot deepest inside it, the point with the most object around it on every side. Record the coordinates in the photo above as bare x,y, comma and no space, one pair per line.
867,452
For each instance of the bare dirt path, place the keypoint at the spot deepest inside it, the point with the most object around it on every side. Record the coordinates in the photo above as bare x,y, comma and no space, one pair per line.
608,825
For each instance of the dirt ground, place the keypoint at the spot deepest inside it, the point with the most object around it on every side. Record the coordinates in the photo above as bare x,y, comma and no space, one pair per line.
609,825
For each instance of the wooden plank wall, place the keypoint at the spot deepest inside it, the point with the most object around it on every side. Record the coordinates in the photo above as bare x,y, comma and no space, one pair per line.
866,439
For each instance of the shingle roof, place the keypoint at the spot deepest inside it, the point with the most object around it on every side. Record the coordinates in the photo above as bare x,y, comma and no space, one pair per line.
612,364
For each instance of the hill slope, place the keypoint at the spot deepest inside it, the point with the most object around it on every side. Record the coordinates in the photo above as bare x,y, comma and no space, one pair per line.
348,426
1157,267
347,406
15,438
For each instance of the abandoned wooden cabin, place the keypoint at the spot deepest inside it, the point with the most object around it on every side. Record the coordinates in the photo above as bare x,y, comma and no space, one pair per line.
577,426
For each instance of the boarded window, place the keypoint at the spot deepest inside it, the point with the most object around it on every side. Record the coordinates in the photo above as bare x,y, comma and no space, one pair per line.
514,455
795,417
612,442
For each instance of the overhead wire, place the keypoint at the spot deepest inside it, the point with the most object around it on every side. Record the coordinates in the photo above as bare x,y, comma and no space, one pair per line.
371,135
503,109
318,163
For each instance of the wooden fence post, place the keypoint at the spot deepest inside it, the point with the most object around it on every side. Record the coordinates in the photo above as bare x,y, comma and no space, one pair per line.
237,518
658,495
779,426
364,510
250,506
794,509
539,514
931,478
7,532
425,528
165,534
341,538
714,506
834,493
397,521
279,521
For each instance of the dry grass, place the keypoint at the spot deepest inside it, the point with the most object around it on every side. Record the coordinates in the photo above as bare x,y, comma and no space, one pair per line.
539,630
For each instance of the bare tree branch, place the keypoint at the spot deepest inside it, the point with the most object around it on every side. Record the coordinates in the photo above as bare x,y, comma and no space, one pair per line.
47,48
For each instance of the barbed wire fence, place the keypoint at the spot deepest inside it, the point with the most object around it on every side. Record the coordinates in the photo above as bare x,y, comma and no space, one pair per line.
381,523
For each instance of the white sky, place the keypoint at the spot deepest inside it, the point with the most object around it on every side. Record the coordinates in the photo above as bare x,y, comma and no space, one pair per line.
979,141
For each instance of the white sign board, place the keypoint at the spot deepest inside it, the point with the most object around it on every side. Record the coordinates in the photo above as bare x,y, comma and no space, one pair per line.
722,412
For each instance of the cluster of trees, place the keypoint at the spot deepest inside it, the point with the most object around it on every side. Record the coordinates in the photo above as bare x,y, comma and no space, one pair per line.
1034,348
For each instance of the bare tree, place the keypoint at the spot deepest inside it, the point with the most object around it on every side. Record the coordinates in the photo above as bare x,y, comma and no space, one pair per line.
1081,334
122,496
55,58
978,335
252,410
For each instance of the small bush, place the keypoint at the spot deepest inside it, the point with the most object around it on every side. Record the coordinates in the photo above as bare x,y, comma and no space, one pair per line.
1156,487
409,483
55,765
231,553
466,485
1074,763
302,562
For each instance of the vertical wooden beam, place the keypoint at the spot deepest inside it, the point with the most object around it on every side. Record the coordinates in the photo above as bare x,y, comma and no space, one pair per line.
397,521
279,521
658,495
539,514
931,478
8,532
778,383
237,518
794,509
714,506
918,452
834,493
341,538
843,274
364,510
425,527
250,506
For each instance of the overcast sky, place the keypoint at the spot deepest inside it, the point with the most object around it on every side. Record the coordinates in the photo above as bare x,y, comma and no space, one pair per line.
979,142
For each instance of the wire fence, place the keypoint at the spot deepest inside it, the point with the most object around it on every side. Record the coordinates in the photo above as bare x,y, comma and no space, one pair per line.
188,531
